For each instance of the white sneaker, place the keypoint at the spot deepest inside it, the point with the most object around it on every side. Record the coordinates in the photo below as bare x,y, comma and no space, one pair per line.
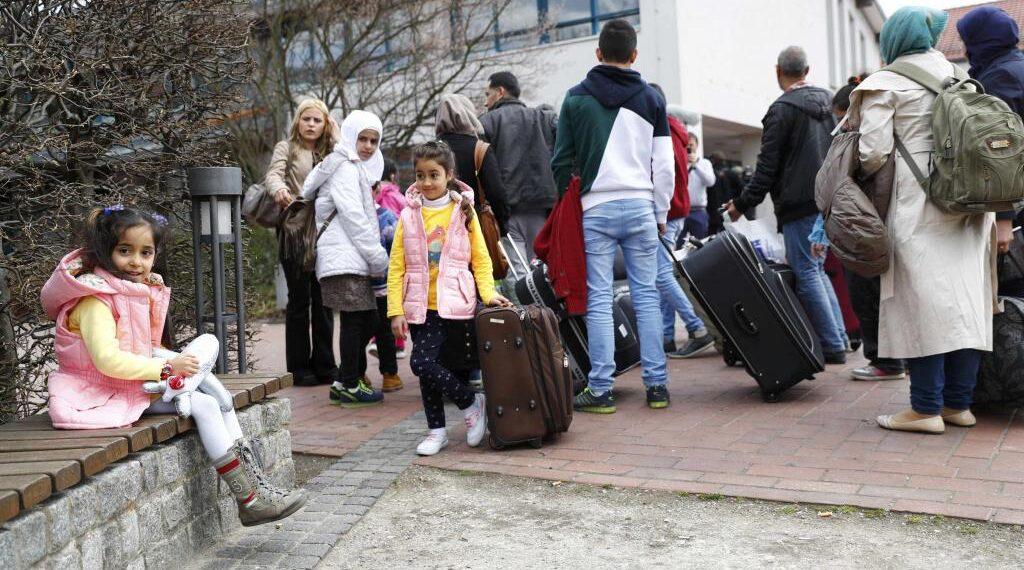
435,442
400,353
476,422
372,349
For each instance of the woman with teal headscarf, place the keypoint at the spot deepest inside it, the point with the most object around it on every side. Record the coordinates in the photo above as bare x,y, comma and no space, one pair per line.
936,300
911,30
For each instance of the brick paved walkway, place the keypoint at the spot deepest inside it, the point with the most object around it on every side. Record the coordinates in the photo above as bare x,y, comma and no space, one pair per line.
338,498
818,445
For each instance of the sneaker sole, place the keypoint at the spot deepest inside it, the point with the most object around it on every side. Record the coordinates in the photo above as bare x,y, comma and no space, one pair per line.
597,409
870,378
431,454
284,514
698,352
350,405
657,405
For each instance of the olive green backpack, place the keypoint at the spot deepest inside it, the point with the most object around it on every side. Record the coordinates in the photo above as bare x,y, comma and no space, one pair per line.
978,160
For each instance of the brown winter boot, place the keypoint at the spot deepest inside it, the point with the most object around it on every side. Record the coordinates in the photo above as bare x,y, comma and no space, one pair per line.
392,383
258,501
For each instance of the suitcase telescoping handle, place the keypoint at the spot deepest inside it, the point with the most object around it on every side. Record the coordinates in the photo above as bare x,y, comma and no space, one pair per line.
512,263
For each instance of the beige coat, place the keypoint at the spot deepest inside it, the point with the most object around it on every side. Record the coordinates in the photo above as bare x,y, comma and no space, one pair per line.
301,165
937,295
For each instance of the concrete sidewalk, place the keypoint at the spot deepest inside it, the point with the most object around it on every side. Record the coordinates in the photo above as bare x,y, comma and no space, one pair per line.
818,445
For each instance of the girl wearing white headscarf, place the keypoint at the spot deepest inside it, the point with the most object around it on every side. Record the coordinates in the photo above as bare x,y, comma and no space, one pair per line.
349,252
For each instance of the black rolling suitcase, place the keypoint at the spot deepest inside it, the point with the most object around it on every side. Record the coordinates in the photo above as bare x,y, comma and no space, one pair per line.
627,343
534,287
757,312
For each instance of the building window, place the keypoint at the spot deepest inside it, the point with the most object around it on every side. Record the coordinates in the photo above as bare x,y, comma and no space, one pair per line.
518,24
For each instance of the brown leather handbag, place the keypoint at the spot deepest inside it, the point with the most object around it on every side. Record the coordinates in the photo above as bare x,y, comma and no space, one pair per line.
488,222
299,235
259,207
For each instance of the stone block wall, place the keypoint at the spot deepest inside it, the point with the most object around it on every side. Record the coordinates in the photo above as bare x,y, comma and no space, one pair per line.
153,509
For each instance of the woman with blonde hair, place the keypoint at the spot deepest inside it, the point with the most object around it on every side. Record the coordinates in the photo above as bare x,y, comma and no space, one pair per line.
311,138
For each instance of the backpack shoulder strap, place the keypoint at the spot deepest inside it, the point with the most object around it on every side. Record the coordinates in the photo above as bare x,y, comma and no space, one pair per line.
921,177
917,75
478,162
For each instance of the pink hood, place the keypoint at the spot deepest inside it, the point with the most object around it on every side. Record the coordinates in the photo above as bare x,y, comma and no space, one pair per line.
81,397
391,197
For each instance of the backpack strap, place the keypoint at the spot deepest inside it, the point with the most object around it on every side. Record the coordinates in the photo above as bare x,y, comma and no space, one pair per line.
918,75
478,162
921,177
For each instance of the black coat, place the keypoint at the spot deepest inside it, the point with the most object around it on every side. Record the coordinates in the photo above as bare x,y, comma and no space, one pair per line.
796,137
991,38
464,147
523,140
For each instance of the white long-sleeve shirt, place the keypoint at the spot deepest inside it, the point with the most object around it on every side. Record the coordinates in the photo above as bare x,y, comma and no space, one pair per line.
702,177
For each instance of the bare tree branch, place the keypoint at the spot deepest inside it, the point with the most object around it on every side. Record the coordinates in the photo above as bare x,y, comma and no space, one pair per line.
103,101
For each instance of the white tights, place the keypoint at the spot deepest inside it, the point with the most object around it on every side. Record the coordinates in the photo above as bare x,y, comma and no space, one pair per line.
218,430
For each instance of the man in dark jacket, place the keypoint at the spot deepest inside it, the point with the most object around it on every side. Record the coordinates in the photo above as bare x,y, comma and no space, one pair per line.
991,38
523,140
795,139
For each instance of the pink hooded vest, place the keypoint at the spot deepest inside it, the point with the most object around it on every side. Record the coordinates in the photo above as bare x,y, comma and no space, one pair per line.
456,288
80,396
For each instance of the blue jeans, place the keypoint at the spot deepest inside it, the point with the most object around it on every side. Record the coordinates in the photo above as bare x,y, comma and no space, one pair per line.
812,285
943,380
629,224
673,298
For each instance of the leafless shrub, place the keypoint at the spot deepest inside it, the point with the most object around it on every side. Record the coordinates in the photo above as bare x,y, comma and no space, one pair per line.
101,102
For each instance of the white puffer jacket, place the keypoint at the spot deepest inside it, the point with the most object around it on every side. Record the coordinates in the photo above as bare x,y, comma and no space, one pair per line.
351,244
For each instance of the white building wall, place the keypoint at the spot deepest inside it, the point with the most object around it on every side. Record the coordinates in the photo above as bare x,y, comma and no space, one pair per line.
718,58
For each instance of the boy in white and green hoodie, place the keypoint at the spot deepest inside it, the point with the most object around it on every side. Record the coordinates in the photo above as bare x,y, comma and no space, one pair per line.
613,130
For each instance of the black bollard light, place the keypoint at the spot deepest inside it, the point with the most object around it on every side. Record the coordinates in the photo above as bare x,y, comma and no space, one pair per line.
217,190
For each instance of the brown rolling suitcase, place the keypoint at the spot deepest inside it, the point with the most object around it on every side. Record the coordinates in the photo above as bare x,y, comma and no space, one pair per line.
525,373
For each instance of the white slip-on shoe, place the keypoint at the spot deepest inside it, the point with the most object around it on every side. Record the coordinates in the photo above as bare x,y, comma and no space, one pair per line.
476,422
961,418
435,442
932,424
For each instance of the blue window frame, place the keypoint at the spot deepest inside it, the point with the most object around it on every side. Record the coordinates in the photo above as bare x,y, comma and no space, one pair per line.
560,19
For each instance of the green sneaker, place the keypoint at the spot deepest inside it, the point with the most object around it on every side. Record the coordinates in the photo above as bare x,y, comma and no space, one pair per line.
586,401
657,397
362,397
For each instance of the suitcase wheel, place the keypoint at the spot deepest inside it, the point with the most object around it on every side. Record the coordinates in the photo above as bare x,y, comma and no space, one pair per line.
770,397
730,356
493,443
536,443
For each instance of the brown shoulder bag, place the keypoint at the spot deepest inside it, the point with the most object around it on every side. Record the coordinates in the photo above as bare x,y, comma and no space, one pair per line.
488,222
298,234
